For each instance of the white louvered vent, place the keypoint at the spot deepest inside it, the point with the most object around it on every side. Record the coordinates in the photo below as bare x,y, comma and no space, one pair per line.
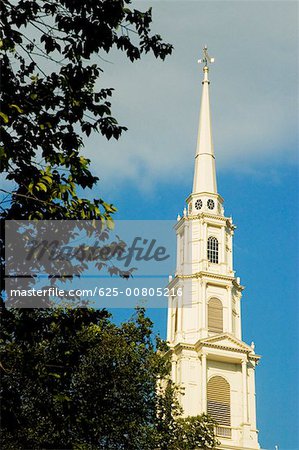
219,400
215,316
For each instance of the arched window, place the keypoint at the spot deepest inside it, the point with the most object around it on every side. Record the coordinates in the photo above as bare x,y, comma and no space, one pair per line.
213,250
215,316
219,400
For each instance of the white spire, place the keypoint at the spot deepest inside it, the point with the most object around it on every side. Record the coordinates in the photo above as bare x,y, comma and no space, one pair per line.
205,173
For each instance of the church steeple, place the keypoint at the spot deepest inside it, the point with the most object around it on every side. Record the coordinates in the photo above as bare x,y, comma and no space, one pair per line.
205,172
210,361
204,197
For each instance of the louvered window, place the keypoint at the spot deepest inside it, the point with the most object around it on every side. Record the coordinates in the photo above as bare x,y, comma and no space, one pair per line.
219,400
213,249
215,316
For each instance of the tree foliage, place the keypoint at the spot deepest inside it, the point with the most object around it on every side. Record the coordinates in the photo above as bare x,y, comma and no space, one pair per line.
71,379
50,99
197,433
174,432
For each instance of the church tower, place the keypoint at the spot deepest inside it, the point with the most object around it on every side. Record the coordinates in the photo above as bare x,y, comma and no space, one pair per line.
212,364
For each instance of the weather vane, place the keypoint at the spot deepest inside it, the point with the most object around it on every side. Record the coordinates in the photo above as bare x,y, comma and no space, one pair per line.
206,58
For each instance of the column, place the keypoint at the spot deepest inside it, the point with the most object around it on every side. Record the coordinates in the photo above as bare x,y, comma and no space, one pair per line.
205,239
170,320
180,318
238,304
196,287
178,253
173,369
204,381
229,309
204,307
186,249
231,249
223,246
201,244
245,393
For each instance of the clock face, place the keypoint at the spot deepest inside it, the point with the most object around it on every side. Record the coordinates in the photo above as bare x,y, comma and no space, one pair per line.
210,203
198,204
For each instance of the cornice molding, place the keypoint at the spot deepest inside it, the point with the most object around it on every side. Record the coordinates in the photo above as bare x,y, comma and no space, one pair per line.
206,274
201,344
202,275
212,194
203,215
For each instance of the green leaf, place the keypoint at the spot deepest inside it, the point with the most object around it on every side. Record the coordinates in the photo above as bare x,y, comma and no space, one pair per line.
42,186
62,398
110,224
48,179
54,375
17,108
4,117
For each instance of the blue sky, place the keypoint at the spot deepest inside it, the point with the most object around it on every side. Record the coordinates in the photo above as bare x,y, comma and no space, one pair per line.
266,259
148,173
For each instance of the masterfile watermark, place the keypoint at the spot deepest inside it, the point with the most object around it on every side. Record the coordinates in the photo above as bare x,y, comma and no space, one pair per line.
98,291
84,262
140,249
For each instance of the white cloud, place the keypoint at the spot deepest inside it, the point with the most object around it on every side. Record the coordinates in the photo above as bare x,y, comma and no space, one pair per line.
253,92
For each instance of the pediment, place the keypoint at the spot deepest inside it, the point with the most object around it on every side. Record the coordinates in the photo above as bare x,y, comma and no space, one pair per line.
226,341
